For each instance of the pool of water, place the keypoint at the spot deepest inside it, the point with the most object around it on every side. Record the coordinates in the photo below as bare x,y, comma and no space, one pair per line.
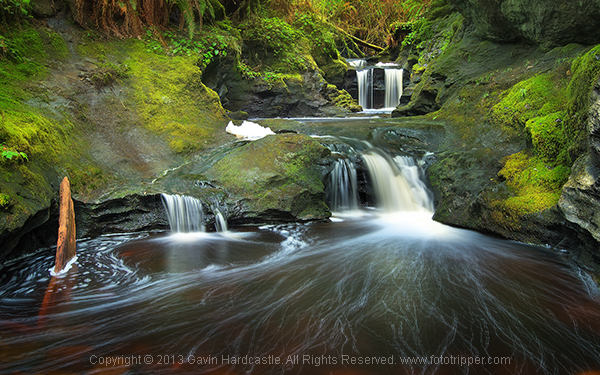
368,293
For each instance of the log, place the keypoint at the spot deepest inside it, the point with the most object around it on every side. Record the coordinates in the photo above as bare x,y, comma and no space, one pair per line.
65,246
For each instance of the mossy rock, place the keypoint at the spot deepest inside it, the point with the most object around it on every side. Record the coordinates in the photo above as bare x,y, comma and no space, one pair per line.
277,178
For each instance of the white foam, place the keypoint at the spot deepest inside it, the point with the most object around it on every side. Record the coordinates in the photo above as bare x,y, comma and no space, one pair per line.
65,269
248,130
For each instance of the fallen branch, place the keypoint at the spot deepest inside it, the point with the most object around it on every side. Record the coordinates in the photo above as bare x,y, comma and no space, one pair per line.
360,41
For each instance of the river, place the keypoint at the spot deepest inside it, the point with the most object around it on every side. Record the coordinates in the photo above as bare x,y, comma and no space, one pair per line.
378,290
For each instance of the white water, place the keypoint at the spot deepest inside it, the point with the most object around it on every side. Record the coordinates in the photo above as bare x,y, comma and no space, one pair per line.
248,130
357,63
343,188
413,175
220,221
393,87
365,88
396,190
184,213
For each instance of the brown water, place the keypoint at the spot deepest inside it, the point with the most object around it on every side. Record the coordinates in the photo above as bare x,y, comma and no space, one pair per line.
377,294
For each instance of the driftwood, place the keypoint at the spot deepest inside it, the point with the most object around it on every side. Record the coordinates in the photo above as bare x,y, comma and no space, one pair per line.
65,247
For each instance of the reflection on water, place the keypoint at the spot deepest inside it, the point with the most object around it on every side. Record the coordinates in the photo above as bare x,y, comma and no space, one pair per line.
395,294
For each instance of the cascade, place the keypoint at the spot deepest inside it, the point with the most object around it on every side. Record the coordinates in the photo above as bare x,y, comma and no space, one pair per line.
220,221
396,190
343,188
184,213
365,88
414,177
393,87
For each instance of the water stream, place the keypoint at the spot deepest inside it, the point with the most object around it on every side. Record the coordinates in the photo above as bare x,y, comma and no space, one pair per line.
379,290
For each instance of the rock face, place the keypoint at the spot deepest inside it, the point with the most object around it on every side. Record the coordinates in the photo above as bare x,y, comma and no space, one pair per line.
277,178
65,247
294,95
545,22
580,200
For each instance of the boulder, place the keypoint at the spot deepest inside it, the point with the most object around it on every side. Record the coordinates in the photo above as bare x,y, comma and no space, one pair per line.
544,22
276,179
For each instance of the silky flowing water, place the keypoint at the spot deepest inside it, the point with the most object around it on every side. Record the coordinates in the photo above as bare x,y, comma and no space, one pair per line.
371,292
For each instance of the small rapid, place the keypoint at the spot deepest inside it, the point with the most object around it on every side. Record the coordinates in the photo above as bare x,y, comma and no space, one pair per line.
388,291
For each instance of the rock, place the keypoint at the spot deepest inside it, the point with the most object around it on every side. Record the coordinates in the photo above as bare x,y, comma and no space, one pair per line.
580,200
133,212
288,95
65,247
545,22
43,8
276,179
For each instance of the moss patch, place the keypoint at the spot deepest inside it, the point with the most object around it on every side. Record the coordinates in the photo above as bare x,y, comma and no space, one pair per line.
167,93
536,185
276,173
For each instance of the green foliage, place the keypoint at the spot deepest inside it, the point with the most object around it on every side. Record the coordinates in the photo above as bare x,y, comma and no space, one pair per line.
13,10
9,154
216,42
277,45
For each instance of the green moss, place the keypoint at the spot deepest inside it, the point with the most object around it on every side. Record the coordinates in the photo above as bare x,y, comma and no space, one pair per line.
167,92
585,71
276,46
547,136
537,96
273,172
535,185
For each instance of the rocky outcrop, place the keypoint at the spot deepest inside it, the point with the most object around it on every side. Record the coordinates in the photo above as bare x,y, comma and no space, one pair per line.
545,22
65,246
276,179
292,95
580,200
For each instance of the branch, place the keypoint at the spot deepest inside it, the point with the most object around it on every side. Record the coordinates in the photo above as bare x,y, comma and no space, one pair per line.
360,41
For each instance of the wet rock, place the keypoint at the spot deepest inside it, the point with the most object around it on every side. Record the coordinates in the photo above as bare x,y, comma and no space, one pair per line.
65,246
131,213
276,179
580,200
545,22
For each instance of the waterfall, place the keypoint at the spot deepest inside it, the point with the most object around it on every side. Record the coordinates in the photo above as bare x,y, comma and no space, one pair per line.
220,221
395,189
365,88
184,213
393,87
414,177
343,188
